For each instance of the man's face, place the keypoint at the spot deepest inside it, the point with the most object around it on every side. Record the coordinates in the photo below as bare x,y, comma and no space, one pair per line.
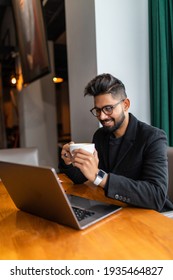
111,122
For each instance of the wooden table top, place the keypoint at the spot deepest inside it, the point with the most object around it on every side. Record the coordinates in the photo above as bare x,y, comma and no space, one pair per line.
130,234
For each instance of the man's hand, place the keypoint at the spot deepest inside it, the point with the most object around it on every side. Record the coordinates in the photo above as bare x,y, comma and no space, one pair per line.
86,162
65,153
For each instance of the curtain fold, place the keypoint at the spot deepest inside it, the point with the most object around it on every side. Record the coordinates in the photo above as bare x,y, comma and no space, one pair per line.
161,64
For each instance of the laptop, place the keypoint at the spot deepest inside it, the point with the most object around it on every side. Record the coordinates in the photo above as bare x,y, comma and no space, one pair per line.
38,190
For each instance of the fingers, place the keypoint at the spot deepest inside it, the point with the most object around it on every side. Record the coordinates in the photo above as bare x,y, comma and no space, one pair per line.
65,153
79,153
87,163
83,159
84,155
66,149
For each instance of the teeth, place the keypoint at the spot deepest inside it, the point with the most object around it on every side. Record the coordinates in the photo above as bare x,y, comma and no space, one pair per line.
106,121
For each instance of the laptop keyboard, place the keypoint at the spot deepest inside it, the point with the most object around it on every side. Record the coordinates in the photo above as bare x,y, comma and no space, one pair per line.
82,213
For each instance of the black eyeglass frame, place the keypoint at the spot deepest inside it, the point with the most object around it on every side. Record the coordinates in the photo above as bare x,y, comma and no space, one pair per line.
112,107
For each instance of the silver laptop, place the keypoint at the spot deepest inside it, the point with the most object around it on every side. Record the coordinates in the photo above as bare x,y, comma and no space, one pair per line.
38,190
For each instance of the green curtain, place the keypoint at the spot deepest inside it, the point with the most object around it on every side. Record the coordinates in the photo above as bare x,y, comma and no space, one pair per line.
161,64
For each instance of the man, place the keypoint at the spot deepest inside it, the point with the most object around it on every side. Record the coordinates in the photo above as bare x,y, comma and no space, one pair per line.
130,159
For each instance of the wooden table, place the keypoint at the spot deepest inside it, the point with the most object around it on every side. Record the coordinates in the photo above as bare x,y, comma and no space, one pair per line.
134,234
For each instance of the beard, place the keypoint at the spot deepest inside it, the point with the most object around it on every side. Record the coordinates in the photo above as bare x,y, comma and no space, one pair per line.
111,129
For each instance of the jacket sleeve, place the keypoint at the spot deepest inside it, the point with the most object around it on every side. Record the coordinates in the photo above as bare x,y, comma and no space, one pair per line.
72,172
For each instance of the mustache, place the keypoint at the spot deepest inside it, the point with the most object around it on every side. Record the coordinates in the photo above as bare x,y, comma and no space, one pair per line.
115,127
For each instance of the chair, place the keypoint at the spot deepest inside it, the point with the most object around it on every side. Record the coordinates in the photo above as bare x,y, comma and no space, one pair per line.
20,155
170,180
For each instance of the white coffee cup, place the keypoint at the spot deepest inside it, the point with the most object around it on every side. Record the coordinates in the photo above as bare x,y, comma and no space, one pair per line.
89,147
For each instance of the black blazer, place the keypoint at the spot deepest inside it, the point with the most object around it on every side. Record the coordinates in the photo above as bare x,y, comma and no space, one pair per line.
140,174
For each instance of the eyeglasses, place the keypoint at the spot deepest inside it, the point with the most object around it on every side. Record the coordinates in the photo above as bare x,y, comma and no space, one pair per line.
107,110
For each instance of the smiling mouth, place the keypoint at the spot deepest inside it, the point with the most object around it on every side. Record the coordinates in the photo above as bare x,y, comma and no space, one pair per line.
107,122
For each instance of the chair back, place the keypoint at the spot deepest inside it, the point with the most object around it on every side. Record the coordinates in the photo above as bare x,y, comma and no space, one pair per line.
170,172
27,155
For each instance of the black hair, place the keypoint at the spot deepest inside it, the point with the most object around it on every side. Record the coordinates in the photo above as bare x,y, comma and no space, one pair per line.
105,83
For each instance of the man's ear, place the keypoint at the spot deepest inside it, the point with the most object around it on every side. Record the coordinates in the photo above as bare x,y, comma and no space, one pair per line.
126,104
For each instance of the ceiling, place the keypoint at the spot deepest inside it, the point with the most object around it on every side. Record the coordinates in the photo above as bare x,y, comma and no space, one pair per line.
54,15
